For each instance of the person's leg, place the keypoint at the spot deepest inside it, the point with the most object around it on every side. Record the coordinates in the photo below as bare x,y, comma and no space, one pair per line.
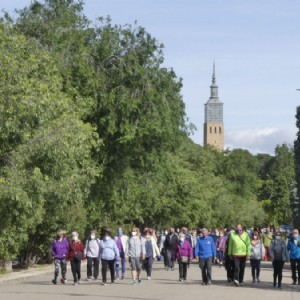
202,266
146,265
138,269
281,264
89,267
275,273
236,270
242,269
78,270
184,271
111,265
96,267
73,268
252,263
267,253
180,267
293,269
298,269
208,267
104,270
123,262
172,260
169,259
117,267
258,270
56,270
150,263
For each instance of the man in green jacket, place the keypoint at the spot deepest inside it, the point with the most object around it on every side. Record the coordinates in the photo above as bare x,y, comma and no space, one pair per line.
239,249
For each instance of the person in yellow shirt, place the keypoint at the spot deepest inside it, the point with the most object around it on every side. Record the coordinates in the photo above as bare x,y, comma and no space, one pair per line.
267,238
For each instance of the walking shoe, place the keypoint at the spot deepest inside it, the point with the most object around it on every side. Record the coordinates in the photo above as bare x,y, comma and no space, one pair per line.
54,281
258,280
148,278
229,280
180,280
79,282
172,269
103,283
139,280
123,277
134,282
63,281
274,285
294,282
89,279
242,284
236,282
117,278
112,283
279,286
203,283
75,283
208,282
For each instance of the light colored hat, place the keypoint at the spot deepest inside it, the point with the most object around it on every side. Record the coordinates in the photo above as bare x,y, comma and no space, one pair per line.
74,233
181,235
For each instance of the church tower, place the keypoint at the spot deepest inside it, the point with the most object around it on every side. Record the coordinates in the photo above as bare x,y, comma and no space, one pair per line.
213,124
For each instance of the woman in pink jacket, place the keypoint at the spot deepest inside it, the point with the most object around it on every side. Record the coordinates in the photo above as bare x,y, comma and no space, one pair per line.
183,254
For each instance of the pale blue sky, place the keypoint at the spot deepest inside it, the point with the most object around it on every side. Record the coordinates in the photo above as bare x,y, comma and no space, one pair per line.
256,47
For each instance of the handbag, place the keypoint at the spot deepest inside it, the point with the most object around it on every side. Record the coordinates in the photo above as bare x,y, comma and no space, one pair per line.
78,256
184,259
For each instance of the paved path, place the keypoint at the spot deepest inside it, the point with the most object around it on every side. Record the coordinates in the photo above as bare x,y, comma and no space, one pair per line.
36,284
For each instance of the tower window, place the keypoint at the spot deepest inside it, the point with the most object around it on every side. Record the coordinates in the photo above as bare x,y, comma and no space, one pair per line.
220,130
215,129
210,129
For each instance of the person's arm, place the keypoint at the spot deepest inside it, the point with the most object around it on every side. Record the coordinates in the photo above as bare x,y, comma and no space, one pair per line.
116,250
248,244
197,249
213,248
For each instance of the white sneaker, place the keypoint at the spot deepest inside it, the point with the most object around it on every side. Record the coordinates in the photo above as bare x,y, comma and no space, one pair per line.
148,278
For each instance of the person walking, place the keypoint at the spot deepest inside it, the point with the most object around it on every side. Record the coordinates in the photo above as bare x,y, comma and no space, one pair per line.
121,240
59,251
267,238
293,247
279,255
239,249
108,253
152,251
220,248
170,245
76,254
135,253
92,247
229,263
183,255
257,254
205,251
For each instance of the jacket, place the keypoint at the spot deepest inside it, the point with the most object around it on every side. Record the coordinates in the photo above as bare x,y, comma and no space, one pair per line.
239,245
135,247
257,250
285,253
108,249
171,242
267,239
60,250
155,249
183,249
205,247
124,240
293,247
92,248
75,248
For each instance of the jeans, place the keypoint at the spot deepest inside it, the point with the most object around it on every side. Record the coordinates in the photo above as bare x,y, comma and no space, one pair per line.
108,264
205,266
255,268
278,267
182,269
123,265
229,266
76,270
148,265
239,268
60,264
295,266
93,267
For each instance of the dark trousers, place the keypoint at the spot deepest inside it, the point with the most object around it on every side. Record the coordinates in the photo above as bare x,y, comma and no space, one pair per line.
295,266
229,265
255,268
205,266
148,265
93,267
170,258
76,270
239,268
182,270
108,264
278,267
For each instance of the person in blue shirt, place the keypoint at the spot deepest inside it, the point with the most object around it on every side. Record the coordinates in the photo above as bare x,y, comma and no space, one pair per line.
293,247
205,251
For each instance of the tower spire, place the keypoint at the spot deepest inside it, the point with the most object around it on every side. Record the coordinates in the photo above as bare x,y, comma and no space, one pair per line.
214,87
214,74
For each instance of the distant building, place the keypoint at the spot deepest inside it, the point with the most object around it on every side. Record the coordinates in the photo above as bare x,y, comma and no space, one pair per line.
213,123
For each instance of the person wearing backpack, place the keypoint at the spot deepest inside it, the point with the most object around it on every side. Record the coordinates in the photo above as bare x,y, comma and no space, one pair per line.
256,256
92,255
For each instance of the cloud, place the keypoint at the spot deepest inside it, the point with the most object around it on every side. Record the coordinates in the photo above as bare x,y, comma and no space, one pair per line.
259,140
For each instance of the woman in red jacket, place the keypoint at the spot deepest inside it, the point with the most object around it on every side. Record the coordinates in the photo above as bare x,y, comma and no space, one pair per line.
76,254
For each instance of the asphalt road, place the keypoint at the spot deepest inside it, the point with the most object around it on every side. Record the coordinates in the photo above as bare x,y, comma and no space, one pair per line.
36,284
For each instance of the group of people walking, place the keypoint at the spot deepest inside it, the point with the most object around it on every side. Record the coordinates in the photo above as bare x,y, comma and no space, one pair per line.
228,247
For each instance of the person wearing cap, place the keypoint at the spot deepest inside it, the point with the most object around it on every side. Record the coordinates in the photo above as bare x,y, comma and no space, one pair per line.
121,240
183,254
293,247
239,250
59,252
76,254
92,255
205,251
279,255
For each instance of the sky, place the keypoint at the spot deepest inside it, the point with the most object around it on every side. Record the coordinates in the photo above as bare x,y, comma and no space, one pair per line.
256,48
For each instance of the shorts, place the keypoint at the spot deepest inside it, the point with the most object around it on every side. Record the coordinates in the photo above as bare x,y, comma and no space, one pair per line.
135,263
